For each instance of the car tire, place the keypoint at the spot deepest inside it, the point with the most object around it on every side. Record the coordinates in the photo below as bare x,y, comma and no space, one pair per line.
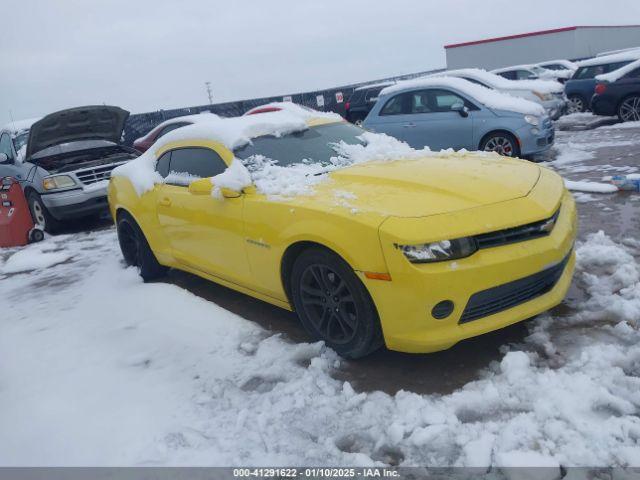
136,250
40,215
333,304
502,143
629,109
577,104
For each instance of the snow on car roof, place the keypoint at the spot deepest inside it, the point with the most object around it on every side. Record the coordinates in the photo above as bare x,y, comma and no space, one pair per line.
619,73
231,132
489,98
567,63
20,125
499,82
617,57
198,117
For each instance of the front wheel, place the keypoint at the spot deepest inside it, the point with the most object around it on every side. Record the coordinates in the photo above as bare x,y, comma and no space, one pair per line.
135,249
629,109
40,215
502,143
333,304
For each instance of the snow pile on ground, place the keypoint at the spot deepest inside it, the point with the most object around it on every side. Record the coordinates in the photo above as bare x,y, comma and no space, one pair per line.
93,376
623,125
619,73
590,187
33,257
571,153
488,97
501,83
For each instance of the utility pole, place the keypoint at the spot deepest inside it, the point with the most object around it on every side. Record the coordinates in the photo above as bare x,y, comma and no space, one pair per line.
209,92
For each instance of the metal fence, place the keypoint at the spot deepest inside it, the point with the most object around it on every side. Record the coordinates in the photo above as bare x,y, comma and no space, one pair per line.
329,100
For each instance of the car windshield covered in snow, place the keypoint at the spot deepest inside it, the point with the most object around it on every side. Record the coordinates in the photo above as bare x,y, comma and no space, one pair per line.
315,144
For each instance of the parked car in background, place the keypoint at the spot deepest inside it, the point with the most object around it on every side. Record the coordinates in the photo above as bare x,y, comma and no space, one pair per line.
143,143
562,69
362,101
454,113
525,72
618,93
581,86
64,161
549,94
445,247
277,106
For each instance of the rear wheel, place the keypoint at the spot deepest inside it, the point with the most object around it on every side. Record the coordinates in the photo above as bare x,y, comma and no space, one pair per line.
40,214
135,249
577,104
502,143
333,304
629,109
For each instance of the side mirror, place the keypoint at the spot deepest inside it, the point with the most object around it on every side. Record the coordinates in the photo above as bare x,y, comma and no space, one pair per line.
202,186
229,192
461,109
4,158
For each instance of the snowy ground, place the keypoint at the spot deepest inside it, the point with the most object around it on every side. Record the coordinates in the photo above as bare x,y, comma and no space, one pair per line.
97,368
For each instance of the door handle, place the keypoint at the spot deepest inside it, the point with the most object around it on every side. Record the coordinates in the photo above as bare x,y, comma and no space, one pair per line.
409,125
165,202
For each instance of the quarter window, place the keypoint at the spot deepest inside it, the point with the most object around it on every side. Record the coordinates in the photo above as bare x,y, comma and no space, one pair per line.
188,164
162,166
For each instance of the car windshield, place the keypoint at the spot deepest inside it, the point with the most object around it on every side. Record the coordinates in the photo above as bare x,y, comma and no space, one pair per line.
314,145
20,140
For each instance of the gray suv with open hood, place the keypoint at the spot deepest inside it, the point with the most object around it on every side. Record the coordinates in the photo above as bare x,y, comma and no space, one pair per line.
64,160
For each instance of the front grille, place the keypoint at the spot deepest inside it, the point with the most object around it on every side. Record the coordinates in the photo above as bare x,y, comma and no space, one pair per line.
503,297
530,231
96,174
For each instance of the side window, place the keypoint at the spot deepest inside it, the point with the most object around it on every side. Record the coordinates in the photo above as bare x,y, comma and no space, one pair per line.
5,145
510,75
396,105
443,100
170,128
162,166
524,74
188,164
633,74
613,66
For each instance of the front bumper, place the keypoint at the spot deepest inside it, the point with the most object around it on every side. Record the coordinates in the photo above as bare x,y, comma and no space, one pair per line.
405,303
77,202
534,140
555,108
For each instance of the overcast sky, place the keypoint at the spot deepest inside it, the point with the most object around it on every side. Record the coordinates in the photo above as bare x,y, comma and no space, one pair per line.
145,55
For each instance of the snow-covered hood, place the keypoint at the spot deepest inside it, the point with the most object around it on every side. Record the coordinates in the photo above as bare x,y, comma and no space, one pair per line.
438,184
99,122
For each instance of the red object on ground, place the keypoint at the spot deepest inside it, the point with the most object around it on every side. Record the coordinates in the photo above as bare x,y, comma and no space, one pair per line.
16,224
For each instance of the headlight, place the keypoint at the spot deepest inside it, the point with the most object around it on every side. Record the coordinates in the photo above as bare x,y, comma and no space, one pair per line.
58,181
439,251
532,120
543,96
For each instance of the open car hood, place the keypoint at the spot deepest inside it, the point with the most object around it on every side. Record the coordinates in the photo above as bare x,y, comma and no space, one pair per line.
96,122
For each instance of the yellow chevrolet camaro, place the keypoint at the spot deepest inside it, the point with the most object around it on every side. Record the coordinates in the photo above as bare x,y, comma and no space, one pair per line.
416,254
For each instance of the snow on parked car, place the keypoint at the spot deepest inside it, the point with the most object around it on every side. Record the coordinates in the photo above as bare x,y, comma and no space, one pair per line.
547,93
449,112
